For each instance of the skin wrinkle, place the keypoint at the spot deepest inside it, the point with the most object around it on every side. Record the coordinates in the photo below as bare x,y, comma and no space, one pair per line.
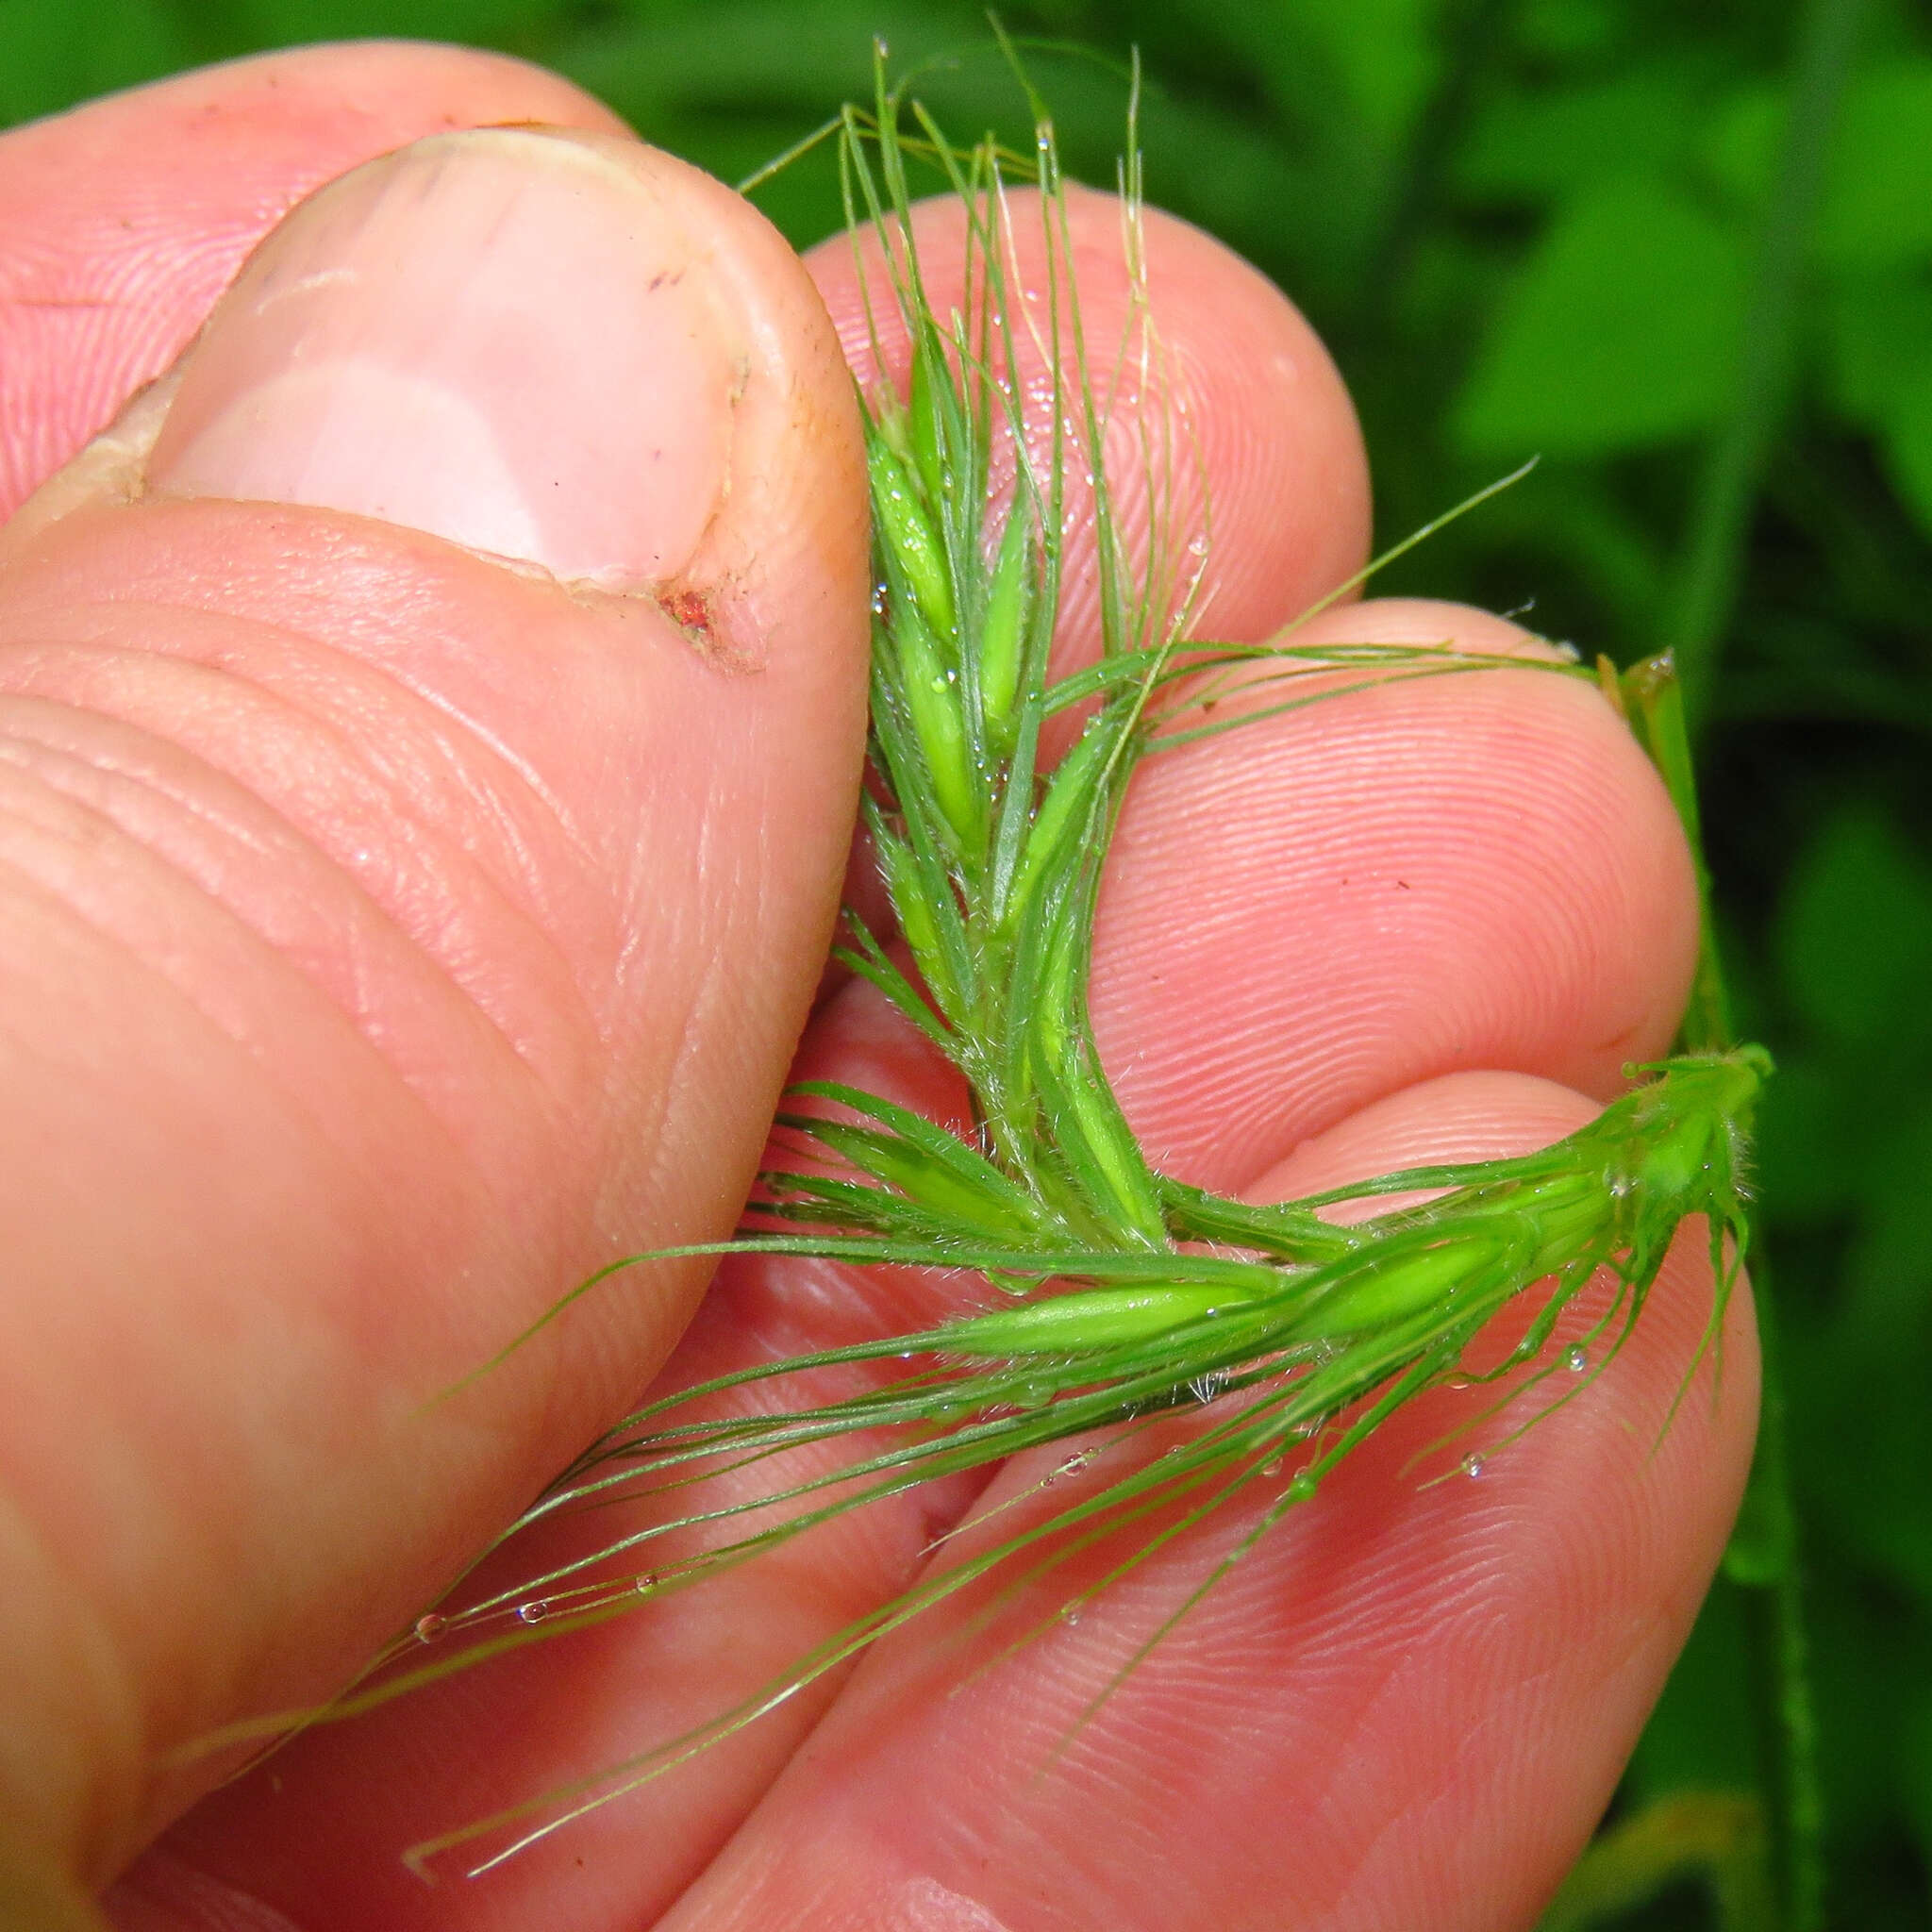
485,799
664,1131
303,1102
164,242
1446,1795
452,759
148,962
329,747
680,1098
1341,1877
195,801
923,1904
321,664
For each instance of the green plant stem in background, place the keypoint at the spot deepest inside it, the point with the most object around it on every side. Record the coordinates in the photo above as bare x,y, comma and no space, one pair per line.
1652,699
1763,1861
1472,33
1707,595
1734,466
1764,1556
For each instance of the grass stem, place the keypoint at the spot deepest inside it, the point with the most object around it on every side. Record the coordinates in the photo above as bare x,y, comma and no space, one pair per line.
1713,566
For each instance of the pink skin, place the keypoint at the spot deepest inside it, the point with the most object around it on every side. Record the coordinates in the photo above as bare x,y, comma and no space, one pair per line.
372,992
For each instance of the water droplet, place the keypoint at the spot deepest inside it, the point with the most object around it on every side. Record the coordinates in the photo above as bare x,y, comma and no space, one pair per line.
1070,1613
644,1582
430,1626
534,1611
1576,1358
1197,546
1473,1463
1074,1463
1271,1467
1303,1487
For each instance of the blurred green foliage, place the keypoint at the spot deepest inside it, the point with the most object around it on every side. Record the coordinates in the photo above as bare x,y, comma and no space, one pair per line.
1548,226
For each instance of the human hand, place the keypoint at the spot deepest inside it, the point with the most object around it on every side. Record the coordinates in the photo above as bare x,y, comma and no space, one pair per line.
402,935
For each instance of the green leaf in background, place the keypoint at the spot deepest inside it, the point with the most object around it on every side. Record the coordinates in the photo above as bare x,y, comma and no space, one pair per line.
1542,147
1877,204
1715,1838
1878,194
1877,339
1383,52
1853,947
1621,335
1868,1360
1908,439
281,23
52,56
1854,943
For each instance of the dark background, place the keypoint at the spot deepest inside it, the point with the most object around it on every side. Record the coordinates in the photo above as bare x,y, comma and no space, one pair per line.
1684,252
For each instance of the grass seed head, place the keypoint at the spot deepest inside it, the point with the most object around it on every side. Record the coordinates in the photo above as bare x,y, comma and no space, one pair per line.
1130,1295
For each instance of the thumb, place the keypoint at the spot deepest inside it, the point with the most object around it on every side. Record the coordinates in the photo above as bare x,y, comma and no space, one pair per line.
429,732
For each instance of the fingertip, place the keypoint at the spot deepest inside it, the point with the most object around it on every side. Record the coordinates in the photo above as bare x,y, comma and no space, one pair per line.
1229,427
637,392
1418,874
126,217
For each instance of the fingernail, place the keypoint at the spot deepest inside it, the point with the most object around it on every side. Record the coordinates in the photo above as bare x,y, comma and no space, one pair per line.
502,337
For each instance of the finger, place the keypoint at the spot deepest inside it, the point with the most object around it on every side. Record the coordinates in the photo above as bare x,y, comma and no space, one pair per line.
1423,876
1230,441
1406,1705
123,220
432,740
